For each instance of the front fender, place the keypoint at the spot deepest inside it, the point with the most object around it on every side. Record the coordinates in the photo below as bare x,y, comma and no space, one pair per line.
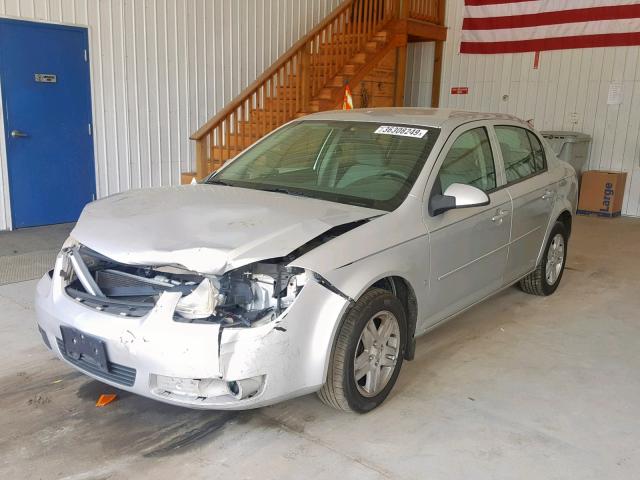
409,260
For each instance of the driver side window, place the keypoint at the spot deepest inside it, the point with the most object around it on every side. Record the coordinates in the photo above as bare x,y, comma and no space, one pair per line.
470,162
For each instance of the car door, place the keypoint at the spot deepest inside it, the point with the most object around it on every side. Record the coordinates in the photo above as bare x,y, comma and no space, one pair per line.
468,246
532,194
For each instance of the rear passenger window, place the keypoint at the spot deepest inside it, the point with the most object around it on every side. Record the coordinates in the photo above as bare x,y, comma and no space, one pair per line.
538,152
521,151
470,162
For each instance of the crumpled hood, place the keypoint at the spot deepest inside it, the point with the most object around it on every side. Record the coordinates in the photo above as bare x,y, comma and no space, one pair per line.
206,228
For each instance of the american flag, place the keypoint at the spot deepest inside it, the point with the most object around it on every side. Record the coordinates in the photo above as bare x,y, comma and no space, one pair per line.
509,26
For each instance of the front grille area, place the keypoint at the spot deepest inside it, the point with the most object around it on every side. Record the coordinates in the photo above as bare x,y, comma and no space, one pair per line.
117,373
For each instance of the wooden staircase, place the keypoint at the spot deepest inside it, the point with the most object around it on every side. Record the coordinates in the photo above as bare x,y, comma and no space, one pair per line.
362,43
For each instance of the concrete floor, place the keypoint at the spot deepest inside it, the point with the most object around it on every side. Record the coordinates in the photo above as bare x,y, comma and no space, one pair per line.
518,387
34,239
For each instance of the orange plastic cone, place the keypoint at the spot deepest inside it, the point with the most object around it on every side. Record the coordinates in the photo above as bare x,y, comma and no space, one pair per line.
105,399
347,101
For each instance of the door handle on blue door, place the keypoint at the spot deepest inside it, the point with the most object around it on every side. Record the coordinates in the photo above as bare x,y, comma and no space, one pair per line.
500,214
18,134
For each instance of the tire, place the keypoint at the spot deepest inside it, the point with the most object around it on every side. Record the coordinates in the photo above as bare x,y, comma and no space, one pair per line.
543,281
342,390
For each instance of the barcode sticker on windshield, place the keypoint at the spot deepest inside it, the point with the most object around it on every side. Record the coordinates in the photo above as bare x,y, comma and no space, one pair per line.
402,131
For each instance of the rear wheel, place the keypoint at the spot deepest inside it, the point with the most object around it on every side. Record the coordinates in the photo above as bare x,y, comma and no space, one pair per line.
368,353
546,277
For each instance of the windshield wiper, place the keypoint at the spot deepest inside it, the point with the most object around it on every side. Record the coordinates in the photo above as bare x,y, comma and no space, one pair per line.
285,191
215,181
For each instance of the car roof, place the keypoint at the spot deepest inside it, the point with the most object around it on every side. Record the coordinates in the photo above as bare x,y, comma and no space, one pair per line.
428,117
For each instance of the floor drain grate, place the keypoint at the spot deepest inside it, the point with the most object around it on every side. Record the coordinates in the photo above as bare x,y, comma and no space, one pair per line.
26,266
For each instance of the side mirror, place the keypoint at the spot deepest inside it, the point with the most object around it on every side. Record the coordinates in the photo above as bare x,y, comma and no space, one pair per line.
457,195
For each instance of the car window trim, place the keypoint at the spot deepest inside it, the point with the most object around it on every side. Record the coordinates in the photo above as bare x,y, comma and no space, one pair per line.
493,158
544,155
432,174
530,176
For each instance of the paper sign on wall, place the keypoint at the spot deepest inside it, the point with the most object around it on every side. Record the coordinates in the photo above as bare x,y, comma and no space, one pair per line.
615,93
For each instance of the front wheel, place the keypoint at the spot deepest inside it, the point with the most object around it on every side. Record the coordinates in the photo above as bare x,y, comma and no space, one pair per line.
546,277
368,353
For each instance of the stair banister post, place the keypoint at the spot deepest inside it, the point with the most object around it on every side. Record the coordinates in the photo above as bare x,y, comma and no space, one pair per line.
201,159
403,8
305,77
437,61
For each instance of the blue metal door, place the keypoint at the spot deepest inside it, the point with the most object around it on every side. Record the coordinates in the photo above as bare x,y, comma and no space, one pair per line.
46,95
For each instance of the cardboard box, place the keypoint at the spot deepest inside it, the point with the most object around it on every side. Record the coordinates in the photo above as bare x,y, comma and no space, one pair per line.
601,193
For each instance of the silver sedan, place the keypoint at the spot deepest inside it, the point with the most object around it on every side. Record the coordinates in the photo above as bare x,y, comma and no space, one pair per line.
311,261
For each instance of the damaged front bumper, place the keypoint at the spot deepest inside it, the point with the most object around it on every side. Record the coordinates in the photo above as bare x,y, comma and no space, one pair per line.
199,365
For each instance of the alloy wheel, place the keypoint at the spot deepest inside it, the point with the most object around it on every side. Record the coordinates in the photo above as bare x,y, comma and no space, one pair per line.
555,259
376,353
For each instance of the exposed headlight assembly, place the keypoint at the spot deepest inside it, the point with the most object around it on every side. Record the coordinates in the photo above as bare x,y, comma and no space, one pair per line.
200,303
248,296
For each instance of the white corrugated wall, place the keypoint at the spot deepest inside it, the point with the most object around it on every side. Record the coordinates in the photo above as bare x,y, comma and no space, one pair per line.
419,76
161,68
567,92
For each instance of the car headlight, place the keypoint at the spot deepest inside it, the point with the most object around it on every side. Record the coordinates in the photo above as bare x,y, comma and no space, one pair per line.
200,303
247,296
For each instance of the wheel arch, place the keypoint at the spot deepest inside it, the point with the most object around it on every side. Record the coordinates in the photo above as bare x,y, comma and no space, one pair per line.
562,213
566,219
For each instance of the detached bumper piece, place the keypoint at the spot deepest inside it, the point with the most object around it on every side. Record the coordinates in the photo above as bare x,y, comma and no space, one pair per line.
205,391
116,373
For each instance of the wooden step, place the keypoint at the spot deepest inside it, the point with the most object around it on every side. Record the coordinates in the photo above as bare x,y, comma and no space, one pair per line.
349,69
247,137
221,154
379,89
276,106
321,104
327,93
372,46
323,60
381,36
275,117
351,45
255,127
360,58
337,81
347,46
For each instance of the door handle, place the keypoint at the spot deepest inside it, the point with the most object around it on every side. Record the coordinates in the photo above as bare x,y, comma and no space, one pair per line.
18,134
500,214
548,195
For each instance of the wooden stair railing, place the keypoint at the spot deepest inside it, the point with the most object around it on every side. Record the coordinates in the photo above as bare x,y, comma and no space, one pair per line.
426,11
305,78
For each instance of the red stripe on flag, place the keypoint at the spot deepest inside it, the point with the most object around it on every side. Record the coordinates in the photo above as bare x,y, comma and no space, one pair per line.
479,3
553,18
558,43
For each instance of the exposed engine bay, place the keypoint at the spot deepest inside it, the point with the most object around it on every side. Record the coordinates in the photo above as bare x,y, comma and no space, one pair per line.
244,297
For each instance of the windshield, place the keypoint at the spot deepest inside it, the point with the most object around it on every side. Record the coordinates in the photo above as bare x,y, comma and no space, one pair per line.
357,163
